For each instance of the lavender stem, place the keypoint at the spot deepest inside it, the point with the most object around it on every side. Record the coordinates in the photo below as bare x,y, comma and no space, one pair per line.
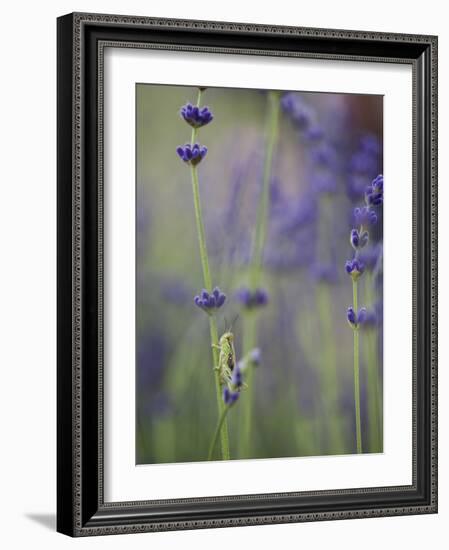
224,436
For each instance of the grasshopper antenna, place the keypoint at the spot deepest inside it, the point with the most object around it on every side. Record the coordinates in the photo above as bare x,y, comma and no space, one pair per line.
234,320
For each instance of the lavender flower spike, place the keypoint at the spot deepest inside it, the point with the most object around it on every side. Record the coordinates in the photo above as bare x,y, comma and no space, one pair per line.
374,194
196,116
210,302
252,299
192,154
364,216
354,268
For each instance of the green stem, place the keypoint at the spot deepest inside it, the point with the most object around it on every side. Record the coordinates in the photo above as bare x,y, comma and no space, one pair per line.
329,380
250,325
272,131
375,444
249,320
356,372
220,423
249,343
208,285
374,392
374,384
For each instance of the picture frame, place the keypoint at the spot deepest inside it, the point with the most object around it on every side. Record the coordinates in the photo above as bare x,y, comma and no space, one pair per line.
81,506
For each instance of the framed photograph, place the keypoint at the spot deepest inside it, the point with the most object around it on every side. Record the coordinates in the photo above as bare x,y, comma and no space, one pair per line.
247,282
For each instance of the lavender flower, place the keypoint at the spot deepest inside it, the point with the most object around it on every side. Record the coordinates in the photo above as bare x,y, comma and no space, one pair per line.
237,377
196,116
314,133
229,396
252,299
352,317
192,154
210,302
355,268
251,359
324,155
374,194
357,319
363,165
364,216
358,239
370,318
300,114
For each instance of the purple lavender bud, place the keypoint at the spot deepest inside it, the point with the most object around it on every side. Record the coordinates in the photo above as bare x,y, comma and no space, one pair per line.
195,116
352,318
221,300
191,154
358,240
364,216
260,297
378,183
362,316
354,238
314,133
252,299
237,377
370,318
210,302
324,155
354,268
355,320
364,238
244,295
374,194
230,397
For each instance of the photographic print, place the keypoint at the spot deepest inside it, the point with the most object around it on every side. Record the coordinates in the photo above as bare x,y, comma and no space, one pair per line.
259,274
225,282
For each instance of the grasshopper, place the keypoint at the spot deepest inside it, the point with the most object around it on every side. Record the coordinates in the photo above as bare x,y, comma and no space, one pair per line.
230,372
226,358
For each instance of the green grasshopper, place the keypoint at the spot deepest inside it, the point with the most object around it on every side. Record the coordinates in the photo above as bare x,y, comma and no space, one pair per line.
226,358
227,363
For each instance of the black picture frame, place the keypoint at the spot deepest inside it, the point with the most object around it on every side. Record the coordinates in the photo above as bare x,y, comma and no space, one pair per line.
81,510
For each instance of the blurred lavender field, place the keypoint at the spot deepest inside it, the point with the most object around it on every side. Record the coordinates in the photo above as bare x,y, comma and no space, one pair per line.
328,149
